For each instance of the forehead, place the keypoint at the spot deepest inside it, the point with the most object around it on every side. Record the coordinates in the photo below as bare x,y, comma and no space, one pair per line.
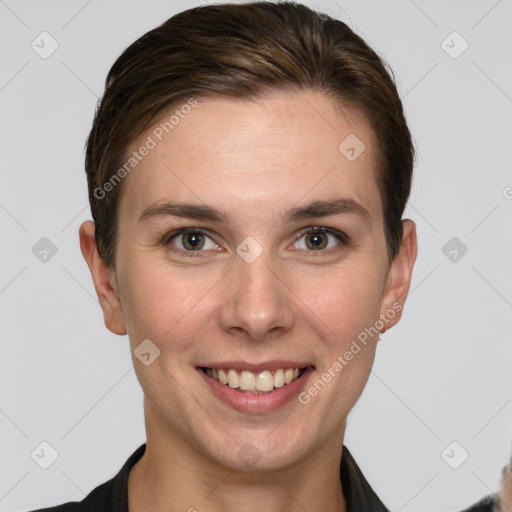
261,153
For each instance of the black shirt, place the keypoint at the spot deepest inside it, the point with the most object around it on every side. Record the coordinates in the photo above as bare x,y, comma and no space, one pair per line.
112,496
487,504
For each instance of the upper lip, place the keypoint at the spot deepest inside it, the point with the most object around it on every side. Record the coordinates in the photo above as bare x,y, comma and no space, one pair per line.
274,364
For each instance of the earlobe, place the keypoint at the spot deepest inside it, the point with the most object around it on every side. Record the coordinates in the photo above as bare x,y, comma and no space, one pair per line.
104,278
399,277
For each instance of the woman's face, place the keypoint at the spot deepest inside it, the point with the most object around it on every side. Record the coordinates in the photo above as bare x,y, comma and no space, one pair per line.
251,289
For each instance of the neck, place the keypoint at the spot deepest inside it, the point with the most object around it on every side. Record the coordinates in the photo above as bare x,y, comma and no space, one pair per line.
172,476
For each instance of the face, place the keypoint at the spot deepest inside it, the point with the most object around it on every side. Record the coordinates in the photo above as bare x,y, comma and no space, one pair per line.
283,265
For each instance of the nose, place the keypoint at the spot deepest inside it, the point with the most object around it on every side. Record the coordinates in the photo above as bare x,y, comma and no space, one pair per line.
258,302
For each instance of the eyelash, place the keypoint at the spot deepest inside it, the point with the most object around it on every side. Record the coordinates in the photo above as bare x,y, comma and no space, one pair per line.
340,236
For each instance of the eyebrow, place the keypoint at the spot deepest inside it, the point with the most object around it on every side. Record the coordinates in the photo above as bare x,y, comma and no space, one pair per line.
314,209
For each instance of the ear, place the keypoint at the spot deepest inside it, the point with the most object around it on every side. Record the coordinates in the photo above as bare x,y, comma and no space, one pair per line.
105,280
399,277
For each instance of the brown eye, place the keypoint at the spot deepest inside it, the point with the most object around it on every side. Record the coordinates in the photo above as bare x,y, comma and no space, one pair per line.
316,241
189,240
192,241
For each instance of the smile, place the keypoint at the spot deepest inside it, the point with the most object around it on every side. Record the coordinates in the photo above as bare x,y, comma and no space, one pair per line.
256,389
261,382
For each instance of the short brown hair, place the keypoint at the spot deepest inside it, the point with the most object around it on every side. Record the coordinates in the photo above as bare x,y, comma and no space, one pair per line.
244,51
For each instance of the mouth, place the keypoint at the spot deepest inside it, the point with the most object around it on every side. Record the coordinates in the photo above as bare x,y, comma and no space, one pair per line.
261,382
256,388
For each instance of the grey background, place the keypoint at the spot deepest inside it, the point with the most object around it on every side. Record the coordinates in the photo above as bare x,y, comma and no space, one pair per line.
442,375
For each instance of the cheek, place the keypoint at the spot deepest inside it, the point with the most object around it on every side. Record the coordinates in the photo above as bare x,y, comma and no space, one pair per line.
344,308
156,302
346,299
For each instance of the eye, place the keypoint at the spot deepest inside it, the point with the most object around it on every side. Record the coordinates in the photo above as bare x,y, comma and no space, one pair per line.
189,240
318,239
313,239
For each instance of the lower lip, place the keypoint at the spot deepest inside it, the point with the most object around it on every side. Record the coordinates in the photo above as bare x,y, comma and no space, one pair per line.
255,403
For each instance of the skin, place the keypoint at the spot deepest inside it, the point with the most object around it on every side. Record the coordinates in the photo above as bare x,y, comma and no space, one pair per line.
292,302
505,496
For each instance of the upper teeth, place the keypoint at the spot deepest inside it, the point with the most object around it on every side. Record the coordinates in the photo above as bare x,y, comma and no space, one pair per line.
249,381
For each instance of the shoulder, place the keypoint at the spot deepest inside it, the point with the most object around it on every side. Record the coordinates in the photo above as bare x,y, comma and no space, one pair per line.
487,504
71,506
111,495
359,494
98,500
